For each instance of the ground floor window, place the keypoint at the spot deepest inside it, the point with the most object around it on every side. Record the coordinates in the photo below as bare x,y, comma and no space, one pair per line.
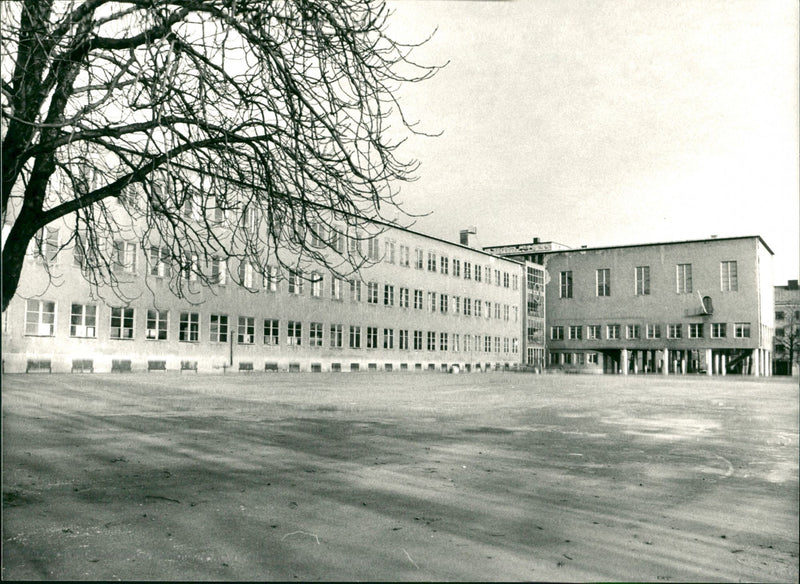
189,331
336,336
40,318
315,334
247,330
122,323
157,324
294,332
83,321
355,337
272,331
218,329
372,337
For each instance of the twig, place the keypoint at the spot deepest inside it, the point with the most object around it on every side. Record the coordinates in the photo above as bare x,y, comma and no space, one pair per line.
410,558
304,533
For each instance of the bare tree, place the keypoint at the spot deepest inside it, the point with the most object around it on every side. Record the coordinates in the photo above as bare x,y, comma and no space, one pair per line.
787,344
206,130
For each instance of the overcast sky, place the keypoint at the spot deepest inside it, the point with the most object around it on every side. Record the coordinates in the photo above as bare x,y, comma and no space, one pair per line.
607,122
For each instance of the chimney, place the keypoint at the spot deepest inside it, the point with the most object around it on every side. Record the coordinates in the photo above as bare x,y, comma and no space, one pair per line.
792,285
535,240
467,236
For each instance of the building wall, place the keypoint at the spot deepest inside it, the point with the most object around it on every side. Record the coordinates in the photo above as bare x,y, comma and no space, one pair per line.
787,328
65,286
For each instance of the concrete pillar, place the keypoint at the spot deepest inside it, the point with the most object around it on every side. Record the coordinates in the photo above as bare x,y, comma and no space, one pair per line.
665,365
683,362
635,355
624,359
756,362
717,361
709,362
722,365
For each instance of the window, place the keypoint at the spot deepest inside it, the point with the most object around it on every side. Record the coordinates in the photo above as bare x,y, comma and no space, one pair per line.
336,288
250,221
271,331
317,235
478,273
403,297
374,249
219,273
496,277
612,331
653,331
247,330
354,245
683,278
443,298
695,330
418,299
388,295
674,331
315,334
779,315
124,256
388,338
40,318
505,283
575,332
418,258
46,244
122,323
456,268
372,292
431,261
431,341
456,342
403,340
372,337
505,344
633,331
565,284
336,336
557,333
478,308
506,312
218,329
404,256
718,330
780,332
488,310
467,307
157,324
390,252
294,333
444,265
467,271
604,282
456,304
82,321
246,274
728,277
355,290
295,282
316,284
431,301
417,340
741,330
159,261
487,340
467,347
443,341
189,327
497,310
515,283
355,337
272,277
642,280
593,332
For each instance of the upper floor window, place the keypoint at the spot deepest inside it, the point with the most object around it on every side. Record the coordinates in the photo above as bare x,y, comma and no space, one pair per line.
294,332
336,288
316,284
404,256
653,331
40,318
674,331
390,251
374,249
565,284
718,330
642,280
683,278
696,330
604,282
444,265
124,256
779,315
46,244
741,330
160,261
355,290
557,333
477,273
633,331
418,258
388,295
219,273
728,277
295,282
431,261
612,331
372,292
575,332
593,332
456,268
467,271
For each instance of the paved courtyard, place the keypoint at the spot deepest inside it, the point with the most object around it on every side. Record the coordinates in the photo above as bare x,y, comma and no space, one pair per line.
401,476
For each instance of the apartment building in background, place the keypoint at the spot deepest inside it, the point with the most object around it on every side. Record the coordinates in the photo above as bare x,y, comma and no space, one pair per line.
787,329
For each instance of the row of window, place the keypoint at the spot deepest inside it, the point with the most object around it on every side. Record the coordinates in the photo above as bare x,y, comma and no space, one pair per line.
697,330
781,315
728,280
40,321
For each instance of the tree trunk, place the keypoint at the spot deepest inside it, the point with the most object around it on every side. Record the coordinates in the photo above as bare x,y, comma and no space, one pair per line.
14,257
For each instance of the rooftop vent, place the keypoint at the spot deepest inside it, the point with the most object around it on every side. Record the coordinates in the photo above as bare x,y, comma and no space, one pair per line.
467,236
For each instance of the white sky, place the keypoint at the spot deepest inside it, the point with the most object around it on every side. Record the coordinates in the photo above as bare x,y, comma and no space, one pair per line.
607,122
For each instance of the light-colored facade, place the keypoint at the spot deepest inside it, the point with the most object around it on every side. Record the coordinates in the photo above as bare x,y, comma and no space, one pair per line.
787,329
422,304
683,307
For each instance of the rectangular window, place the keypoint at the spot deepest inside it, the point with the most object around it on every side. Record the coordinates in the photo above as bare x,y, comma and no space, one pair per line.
456,342
374,249
431,301
372,337
246,274
515,283
779,315
355,290
388,338
294,333
157,324
246,334
487,340
633,331
674,331
418,299
443,341
467,307
612,331
497,310
418,258
272,331
417,340
565,285
642,280
444,265
336,336
403,297
355,337
467,271
218,329
295,282
159,261
219,272
372,292
456,304
46,244
467,347
271,278
431,341
575,332
478,273
496,277
390,251
653,331
336,288
316,284
557,333
83,321
431,261
456,268
403,340
593,332
591,358
443,304
506,312
718,330
506,283
683,278
478,308
488,309
40,318
315,334
388,295
741,330
728,276
189,327
404,256
695,330
604,282
124,256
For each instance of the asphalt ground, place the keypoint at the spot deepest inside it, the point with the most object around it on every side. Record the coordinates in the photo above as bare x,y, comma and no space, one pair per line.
399,476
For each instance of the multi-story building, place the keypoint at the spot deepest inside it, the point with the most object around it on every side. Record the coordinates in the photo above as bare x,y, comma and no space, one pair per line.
787,329
690,306
419,303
